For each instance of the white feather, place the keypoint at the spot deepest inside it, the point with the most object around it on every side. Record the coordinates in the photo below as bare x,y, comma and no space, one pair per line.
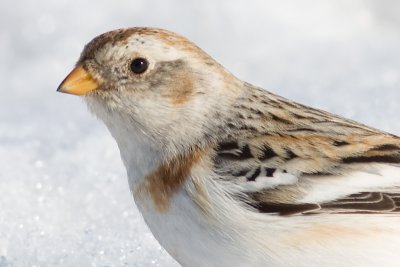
374,177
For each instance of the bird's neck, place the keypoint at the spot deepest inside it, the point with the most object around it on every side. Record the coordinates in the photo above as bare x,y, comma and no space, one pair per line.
138,151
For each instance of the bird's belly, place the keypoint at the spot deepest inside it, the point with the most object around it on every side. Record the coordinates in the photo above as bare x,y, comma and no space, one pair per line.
341,240
191,238
197,241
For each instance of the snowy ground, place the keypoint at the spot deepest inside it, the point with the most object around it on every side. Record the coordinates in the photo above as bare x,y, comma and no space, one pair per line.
64,198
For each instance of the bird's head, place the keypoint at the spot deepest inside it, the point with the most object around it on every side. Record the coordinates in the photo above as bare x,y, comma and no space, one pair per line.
153,80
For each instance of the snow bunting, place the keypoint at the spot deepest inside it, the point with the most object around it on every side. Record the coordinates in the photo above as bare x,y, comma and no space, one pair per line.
228,174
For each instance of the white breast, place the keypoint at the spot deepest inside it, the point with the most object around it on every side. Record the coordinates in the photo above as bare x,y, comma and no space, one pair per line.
228,235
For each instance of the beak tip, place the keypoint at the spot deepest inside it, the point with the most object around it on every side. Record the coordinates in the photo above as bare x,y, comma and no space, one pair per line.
78,82
61,88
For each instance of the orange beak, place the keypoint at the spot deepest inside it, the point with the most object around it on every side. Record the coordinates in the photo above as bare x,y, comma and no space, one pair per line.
78,82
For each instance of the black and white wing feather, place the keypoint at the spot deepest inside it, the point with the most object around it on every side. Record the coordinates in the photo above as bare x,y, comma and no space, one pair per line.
290,159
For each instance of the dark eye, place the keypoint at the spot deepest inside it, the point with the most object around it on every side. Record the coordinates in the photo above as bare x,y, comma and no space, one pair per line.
139,65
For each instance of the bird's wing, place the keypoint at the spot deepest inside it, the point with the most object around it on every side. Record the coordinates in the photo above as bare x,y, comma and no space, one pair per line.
309,174
283,157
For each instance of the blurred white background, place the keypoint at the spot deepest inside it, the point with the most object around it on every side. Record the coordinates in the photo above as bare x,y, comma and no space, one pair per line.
64,198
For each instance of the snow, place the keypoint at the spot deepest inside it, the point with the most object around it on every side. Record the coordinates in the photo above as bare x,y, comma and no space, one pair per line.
64,197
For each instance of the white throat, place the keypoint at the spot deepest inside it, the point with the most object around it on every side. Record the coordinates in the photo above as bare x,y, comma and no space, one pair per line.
139,152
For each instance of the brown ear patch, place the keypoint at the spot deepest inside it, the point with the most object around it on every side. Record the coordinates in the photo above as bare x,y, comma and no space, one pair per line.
174,81
182,90
169,177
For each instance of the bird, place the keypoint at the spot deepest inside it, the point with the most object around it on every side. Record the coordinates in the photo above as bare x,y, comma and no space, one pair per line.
226,173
